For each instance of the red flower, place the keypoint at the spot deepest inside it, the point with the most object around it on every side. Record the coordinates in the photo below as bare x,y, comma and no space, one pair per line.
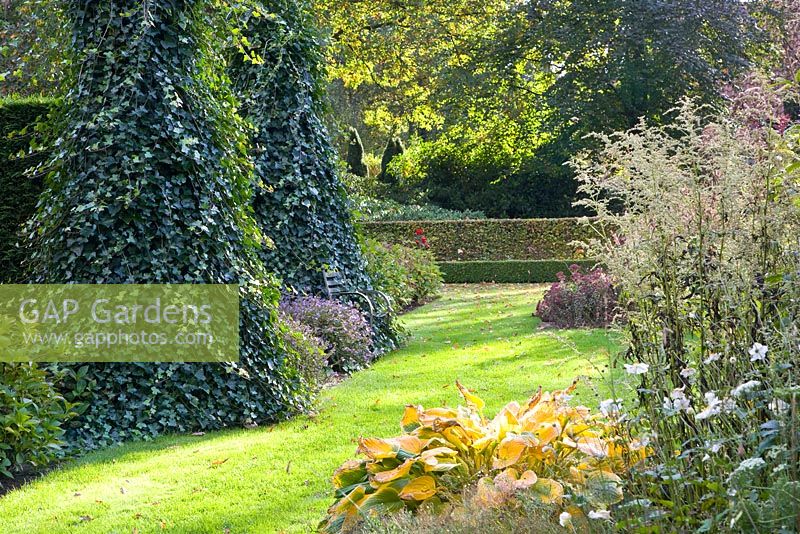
419,231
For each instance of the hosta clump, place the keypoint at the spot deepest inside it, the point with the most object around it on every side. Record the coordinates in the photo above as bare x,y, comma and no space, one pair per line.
580,300
342,328
544,449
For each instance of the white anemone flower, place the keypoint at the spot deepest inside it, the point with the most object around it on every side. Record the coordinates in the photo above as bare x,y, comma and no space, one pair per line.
688,372
636,368
599,514
741,389
610,407
758,352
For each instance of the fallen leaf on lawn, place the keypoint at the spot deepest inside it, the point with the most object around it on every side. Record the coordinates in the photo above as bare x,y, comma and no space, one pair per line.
122,490
288,467
85,518
77,494
198,433
137,516
217,463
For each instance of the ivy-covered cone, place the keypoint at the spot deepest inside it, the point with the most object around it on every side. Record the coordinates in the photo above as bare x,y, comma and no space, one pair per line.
300,202
151,183
540,448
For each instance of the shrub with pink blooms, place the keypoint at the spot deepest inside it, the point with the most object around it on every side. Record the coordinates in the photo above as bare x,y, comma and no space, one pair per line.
580,299
343,330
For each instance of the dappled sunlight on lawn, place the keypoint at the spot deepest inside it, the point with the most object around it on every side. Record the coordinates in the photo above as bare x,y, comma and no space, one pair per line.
277,478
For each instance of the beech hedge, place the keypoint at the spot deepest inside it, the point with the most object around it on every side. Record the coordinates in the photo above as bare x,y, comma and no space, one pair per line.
508,271
489,239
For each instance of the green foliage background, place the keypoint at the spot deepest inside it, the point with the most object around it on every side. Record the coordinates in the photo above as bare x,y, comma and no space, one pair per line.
18,118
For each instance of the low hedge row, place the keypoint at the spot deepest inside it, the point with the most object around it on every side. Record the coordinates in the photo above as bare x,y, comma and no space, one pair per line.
508,271
20,193
488,239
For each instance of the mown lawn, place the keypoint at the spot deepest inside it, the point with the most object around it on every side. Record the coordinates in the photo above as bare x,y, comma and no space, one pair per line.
276,479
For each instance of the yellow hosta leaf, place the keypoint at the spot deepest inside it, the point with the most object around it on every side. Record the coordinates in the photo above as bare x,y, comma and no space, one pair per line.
548,491
344,514
511,450
457,437
533,401
547,432
411,419
525,481
385,500
488,495
350,472
544,412
411,444
473,401
398,472
428,417
504,482
419,489
376,449
438,451
506,420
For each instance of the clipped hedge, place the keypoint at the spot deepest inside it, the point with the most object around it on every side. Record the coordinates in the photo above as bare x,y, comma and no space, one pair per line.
489,239
508,271
20,193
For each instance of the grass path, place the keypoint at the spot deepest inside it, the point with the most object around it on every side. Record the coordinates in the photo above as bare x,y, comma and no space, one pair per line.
276,479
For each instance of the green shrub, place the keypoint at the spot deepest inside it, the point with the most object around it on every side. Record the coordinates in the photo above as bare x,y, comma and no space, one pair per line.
409,275
32,417
306,351
507,272
373,209
490,239
18,118
505,174
342,328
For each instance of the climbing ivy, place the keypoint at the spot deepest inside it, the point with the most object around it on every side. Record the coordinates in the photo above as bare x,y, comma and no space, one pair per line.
150,182
300,202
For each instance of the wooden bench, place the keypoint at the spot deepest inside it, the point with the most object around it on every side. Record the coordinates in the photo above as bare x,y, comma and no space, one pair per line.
378,304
